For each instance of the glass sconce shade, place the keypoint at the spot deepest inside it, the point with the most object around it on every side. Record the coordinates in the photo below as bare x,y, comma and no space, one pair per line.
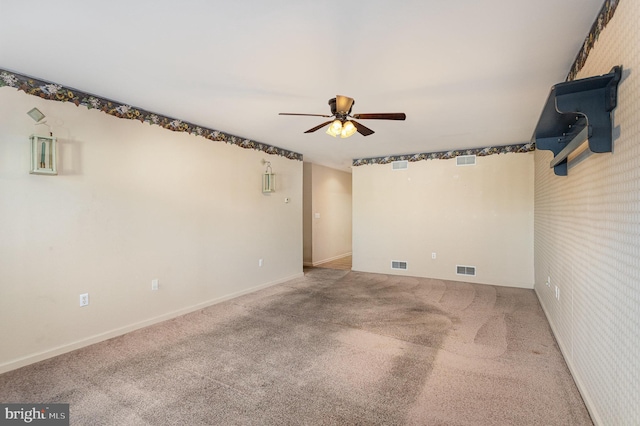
344,130
348,129
268,179
268,182
43,155
335,128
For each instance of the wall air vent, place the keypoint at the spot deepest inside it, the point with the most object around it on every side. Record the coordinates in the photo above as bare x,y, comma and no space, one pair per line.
400,165
466,160
465,270
399,264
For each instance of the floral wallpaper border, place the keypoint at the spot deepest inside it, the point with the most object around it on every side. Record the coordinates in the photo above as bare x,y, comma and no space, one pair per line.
57,92
445,155
605,15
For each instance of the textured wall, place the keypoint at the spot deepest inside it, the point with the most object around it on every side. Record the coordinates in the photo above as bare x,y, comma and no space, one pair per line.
587,240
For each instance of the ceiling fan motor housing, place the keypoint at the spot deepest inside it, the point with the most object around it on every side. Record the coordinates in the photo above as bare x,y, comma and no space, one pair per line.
332,105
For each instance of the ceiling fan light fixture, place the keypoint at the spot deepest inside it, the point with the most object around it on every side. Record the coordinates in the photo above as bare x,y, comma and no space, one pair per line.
348,129
341,124
335,128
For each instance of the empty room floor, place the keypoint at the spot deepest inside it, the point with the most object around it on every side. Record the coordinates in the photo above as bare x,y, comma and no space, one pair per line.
331,348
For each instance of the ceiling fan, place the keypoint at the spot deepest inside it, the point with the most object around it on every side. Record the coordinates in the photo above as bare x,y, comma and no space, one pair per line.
343,124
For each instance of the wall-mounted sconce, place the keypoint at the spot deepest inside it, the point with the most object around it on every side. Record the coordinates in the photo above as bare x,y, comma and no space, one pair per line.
43,155
43,148
268,179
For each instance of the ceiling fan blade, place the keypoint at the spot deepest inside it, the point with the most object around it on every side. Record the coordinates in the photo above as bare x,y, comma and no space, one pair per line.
363,130
381,116
319,126
344,104
310,115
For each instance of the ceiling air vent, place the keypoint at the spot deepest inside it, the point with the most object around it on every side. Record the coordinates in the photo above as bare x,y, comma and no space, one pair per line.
466,160
400,165
465,270
399,264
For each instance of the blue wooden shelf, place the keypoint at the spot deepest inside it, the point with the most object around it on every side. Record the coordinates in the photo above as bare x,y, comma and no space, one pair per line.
574,112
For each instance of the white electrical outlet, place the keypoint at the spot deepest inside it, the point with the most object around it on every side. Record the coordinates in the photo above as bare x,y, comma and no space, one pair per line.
154,284
260,263
433,255
84,299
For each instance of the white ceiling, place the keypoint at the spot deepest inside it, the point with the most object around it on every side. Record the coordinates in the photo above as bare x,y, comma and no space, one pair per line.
468,73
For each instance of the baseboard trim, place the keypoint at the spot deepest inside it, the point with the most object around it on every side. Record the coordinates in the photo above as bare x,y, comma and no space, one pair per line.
62,349
588,402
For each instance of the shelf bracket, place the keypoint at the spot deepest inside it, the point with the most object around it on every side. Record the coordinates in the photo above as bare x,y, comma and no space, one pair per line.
576,111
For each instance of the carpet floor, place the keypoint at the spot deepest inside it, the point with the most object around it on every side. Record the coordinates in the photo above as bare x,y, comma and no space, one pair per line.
331,348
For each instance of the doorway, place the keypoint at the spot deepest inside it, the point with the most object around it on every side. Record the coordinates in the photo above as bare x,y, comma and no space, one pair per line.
326,210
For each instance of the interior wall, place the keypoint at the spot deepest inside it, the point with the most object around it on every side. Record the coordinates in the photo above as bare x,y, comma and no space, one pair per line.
587,241
478,216
307,214
327,214
132,203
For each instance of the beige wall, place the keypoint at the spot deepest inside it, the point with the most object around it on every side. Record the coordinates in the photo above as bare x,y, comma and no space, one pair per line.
587,242
133,202
307,214
327,230
478,216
